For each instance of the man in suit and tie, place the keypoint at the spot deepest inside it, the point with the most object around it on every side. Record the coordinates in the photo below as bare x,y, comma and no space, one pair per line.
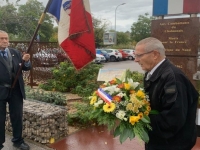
10,62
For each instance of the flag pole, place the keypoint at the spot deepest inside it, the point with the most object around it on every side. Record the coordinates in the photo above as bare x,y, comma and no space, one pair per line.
32,40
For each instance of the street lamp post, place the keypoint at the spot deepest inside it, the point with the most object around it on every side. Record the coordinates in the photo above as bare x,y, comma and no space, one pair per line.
115,22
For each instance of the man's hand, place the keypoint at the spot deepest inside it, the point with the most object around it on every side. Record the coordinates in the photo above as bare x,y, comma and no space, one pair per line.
26,57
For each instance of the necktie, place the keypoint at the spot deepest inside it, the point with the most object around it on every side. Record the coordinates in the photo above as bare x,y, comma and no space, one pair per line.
4,55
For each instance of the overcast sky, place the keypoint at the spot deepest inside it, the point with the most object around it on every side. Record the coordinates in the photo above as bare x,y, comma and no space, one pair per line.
126,14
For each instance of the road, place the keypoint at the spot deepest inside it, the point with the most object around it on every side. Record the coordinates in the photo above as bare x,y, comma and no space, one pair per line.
128,64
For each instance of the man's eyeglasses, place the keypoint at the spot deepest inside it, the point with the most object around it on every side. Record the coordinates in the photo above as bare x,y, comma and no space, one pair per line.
140,55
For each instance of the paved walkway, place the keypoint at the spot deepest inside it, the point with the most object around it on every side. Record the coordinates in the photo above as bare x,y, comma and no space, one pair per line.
32,144
87,139
100,139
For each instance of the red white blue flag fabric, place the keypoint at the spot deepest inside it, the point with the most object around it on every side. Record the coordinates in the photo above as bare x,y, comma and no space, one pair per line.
173,7
75,30
104,96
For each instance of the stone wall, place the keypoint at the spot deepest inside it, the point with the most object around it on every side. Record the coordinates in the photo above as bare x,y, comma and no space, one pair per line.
42,122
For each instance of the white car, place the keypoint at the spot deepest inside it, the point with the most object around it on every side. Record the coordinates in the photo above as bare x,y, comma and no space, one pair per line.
130,52
115,55
99,59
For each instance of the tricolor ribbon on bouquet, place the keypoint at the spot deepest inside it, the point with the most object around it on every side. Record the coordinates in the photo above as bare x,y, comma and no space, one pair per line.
104,96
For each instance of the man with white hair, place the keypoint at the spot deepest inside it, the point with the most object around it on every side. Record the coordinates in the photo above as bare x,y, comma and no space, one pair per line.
10,62
171,94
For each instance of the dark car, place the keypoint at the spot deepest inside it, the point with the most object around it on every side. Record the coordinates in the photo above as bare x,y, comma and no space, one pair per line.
104,53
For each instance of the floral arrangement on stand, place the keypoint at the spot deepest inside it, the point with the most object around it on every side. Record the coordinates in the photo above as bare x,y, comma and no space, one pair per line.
123,106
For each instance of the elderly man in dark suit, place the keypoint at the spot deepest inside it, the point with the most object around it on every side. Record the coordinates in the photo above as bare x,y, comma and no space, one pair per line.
10,62
170,93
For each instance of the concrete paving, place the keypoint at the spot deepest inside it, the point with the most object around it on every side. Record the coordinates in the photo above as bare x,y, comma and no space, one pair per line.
33,145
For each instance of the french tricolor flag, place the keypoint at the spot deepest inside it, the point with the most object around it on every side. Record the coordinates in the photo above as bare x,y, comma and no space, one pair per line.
104,96
173,7
75,30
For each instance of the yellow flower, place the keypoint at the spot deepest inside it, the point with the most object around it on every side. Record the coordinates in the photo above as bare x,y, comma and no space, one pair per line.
140,115
94,93
140,94
129,106
146,113
127,86
109,107
93,100
131,91
148,108
134,119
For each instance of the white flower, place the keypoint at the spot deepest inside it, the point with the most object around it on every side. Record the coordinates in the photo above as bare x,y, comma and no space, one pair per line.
120,114
120,94
100,102
133,84
96,104
125,119
147,97
111,89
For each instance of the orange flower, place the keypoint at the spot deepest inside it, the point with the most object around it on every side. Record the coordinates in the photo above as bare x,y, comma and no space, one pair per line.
112,81
132,91
121,86
116,98
102,86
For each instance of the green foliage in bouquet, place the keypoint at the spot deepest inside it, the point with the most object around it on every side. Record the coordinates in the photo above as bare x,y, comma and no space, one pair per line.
126,112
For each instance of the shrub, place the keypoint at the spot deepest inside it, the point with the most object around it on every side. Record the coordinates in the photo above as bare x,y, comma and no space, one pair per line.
48,97
67,79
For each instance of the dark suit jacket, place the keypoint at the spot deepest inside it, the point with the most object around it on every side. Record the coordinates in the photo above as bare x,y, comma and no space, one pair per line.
6,75
173,95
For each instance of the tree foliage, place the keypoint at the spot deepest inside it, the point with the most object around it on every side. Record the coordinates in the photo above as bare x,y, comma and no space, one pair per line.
142,28
21,21
10,25
99,30
123,38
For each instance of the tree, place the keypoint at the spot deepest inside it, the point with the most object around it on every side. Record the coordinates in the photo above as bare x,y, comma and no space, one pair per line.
99,30
142,28
32,11
21,21
54,36
8,16
122,38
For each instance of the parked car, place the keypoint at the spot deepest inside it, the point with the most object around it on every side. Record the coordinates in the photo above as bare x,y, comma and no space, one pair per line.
115,55
124,54
99,59
130,52
104,53
43,58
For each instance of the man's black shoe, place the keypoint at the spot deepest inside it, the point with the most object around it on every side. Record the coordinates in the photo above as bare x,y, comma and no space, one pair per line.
22,146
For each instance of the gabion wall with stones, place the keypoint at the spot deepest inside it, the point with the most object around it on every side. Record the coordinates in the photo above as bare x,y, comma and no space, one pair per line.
42,121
